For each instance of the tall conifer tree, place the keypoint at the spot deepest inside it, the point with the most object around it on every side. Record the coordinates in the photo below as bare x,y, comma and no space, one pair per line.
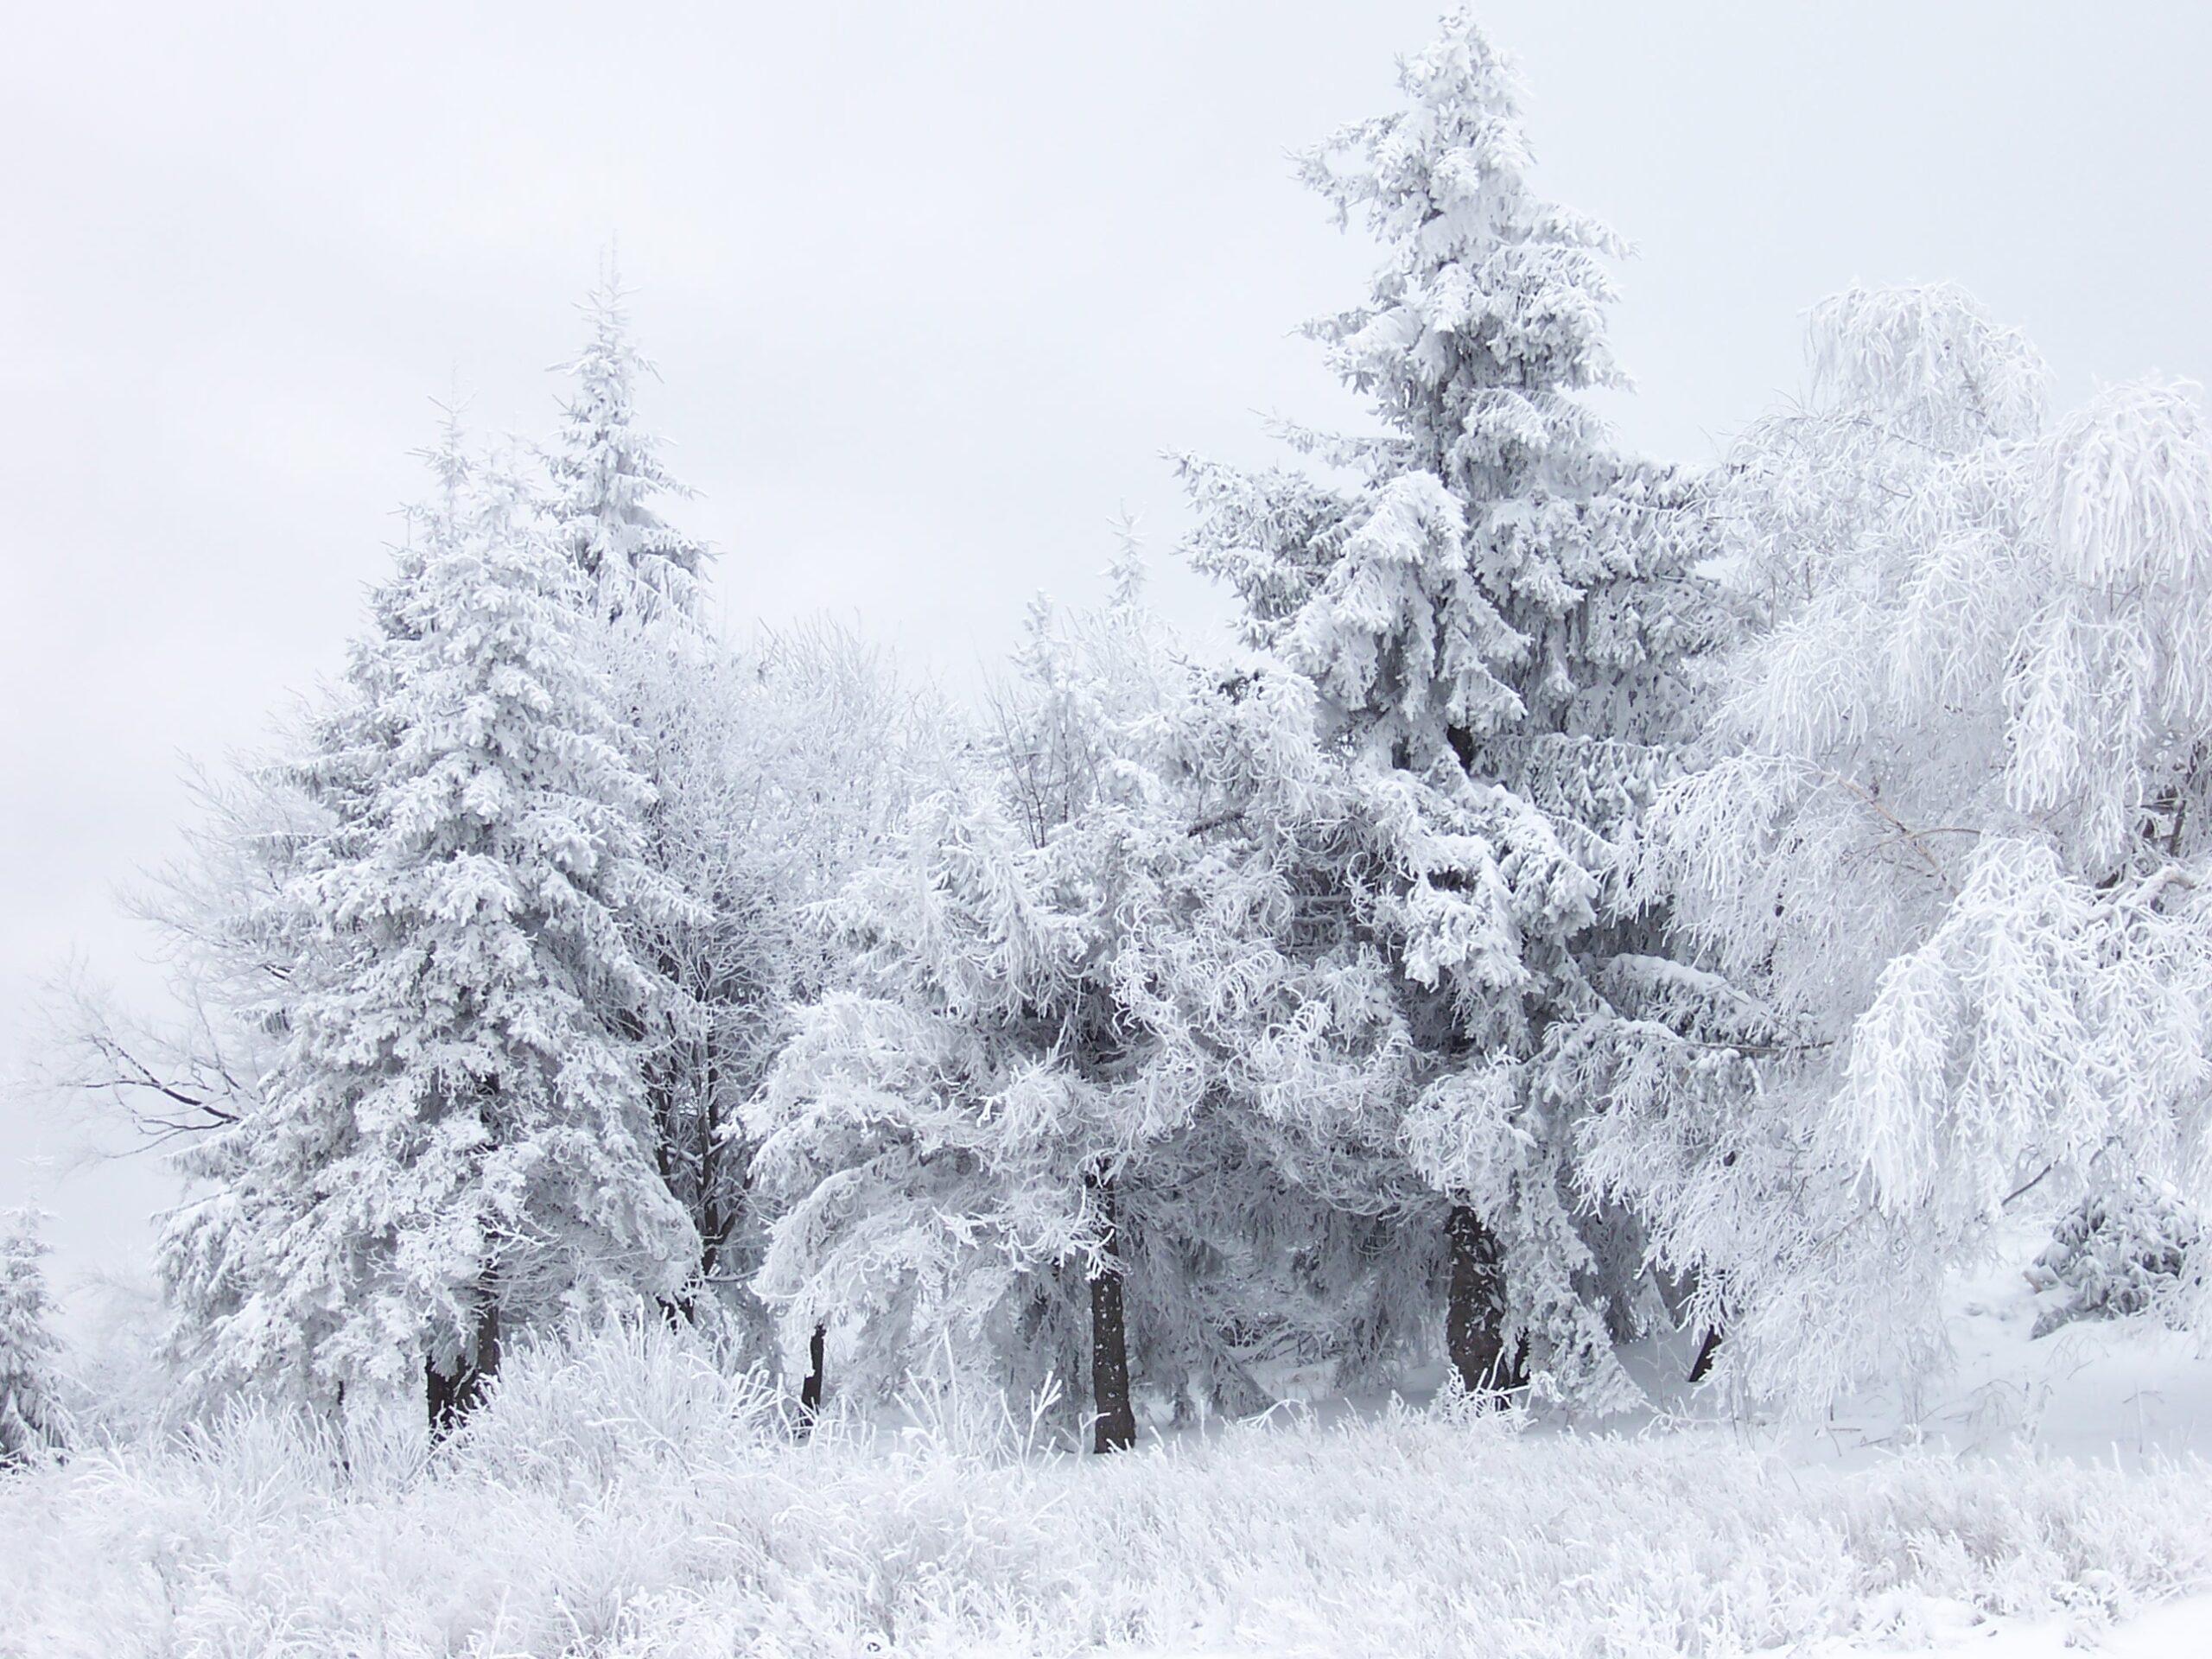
1497,600
454,1138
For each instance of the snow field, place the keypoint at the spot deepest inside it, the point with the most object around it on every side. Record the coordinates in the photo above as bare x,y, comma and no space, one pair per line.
620,1496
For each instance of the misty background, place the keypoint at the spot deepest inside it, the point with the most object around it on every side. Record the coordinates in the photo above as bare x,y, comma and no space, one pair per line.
932,289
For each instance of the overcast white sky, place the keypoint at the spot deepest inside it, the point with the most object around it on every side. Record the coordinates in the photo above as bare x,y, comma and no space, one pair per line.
931,286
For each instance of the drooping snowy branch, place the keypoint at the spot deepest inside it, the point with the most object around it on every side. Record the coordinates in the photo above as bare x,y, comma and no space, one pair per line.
1948,836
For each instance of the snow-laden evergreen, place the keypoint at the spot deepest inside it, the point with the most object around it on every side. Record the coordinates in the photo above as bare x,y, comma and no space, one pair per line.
1104,1033
1499,586
1497,601
609,481
1147,995
33,1422
2134,1247
1948,849
454,1137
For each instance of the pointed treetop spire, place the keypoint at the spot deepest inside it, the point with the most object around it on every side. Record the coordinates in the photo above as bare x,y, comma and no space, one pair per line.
1492,300
1125,573
609,479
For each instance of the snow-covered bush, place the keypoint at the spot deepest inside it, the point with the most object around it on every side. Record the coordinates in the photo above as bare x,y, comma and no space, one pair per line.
33,1422
2118,1252
582,1407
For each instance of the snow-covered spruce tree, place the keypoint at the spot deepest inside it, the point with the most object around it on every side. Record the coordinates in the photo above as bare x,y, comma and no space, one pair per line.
609,480
672,682
1489,597
1102,1083
32,1421
453,1138
1949,847
2129,1247
224,910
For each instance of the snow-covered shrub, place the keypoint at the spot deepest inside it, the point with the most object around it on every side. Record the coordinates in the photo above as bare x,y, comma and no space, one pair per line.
2119,1251
580,1407
945,1414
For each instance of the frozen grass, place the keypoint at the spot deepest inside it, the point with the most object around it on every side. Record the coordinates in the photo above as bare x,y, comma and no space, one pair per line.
622,1498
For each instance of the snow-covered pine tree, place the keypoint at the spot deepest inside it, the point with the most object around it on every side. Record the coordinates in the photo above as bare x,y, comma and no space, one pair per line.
453,1138
1948,850
32,1420
1501,603
609,480
1101,1083
949,1138
675,686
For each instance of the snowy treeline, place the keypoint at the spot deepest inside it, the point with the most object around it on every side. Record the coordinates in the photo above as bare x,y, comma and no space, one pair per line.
1592,897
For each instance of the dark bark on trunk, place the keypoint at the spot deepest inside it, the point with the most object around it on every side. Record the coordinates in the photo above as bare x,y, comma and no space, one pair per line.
1474,1315
338,1423
452,1395
1116,1423
810,1391
1702,1365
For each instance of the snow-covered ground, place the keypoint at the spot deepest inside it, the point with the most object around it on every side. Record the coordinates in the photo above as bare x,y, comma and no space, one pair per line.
2129,1393
626,1499
2175,1629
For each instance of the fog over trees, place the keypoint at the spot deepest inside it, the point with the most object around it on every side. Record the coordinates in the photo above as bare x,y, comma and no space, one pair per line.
1593,899
1403,1125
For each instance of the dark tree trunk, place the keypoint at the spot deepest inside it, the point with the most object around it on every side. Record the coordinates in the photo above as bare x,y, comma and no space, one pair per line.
810,1391
452,1395
1702,1365
1116,1429
1474,1314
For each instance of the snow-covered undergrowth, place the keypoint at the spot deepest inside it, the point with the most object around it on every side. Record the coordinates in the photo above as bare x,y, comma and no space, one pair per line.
623,1497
